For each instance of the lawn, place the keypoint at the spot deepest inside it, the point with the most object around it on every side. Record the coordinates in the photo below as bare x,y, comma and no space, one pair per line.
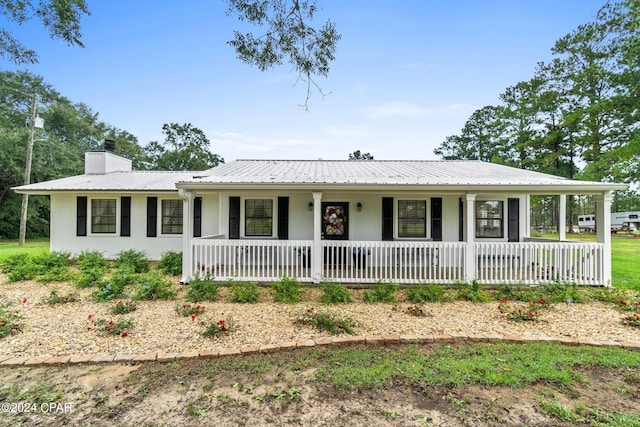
32,247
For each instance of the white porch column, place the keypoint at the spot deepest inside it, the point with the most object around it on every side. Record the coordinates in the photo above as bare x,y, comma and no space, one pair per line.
603,230
470,232
527,217
187,234
562,218
316,250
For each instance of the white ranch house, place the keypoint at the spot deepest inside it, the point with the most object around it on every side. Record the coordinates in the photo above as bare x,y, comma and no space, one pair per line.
346,221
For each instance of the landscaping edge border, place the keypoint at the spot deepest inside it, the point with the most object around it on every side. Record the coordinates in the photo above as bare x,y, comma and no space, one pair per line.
47,360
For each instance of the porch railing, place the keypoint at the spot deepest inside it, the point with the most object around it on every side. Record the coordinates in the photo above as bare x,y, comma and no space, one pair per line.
400,262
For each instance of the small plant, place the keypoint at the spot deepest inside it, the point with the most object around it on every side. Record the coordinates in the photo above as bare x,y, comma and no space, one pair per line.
122,307
111,327
132,260
170,263
9,322
384,292
633,320
154,287
89,277
92,260
287,290
108,291
190,310
412,310
473,292
528,312
326,321
54,298
202,289
216,329
334,293
624,305
246,292
429,293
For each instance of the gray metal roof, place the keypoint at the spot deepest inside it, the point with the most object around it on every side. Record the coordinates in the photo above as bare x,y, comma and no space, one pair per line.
370,174
114,181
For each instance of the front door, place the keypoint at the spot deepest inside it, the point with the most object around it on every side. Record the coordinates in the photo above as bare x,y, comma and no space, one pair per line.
335,226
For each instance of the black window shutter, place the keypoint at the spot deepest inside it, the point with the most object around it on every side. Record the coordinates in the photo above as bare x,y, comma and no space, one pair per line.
436,219
125,216
514,220
81,216
387,218
234,217
197,217
152,216
283,218
460,220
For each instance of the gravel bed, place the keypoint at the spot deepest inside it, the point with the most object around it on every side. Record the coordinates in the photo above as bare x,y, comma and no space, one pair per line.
64,329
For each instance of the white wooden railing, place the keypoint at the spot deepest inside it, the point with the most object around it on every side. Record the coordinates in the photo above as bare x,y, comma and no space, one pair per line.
400,261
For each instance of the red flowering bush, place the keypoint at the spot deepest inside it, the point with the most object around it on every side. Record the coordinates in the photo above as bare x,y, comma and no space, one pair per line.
628,306
192,310
122,307
215,329
520,313
412,310
326,321
633,320
110,327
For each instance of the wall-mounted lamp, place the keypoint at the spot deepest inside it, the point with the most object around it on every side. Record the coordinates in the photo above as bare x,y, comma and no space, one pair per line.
359,206
310,206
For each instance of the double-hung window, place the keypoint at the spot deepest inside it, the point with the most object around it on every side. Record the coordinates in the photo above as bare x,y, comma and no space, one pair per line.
172,217
258,217
490,219
103,216
412,218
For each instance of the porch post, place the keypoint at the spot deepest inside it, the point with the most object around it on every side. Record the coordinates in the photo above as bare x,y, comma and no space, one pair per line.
562,220
187,234
470,227
527,216
316,250
603,230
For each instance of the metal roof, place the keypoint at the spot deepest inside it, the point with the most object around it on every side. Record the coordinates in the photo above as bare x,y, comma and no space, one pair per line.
432,174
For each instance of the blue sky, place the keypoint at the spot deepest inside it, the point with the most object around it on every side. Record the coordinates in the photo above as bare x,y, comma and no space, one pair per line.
407,73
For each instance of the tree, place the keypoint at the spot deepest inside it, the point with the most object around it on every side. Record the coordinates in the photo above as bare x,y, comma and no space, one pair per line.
185,148
61,18
288,37
357,155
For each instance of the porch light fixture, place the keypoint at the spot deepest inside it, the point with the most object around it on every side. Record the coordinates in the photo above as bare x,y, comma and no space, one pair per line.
310,206
359,206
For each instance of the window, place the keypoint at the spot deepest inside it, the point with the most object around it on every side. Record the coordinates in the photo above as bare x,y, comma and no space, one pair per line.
103,215
489,219
172,217
412,218
258,217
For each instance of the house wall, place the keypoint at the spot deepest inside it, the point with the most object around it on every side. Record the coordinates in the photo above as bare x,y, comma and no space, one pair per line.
63,228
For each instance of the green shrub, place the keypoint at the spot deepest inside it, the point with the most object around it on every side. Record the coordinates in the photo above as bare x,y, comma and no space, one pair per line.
384,292
13,262
170,263
563,292
287,290
425,293
246,292
607,294
202,289
326,321
215,329
19,267
108,291
154,287
132,260
334,293
473,292
54,298
89,277
90,260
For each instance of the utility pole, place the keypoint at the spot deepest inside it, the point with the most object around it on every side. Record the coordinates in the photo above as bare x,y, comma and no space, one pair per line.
27,171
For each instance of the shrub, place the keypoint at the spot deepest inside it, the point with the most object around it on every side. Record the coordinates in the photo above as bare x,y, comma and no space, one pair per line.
122,307
521,313
154,287
425,293
19,267
563,292
215,329
334,293
89,277
473,292
170,263
190,310
132,260
52,267
54,298
287,290
89,260
326,321
110,327
384,292
202,289
244,292
108,291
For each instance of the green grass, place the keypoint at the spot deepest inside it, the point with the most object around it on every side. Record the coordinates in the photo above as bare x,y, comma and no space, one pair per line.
32,247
